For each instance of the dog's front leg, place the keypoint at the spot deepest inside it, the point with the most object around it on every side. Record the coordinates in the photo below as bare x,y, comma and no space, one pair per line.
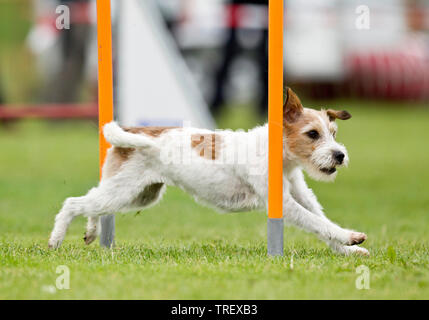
306,198
303,194
296,214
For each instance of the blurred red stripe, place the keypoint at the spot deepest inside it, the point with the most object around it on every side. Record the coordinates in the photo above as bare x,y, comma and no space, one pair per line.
49,111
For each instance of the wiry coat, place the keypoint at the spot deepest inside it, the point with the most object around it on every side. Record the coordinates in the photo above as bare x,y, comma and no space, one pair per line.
226,170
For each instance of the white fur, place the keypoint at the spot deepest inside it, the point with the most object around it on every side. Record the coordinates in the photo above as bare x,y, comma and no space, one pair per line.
118,137
227,183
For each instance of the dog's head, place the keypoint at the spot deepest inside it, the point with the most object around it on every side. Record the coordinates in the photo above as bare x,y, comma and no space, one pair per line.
310,138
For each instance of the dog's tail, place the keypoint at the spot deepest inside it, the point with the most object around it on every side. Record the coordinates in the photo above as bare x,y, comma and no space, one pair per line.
117,137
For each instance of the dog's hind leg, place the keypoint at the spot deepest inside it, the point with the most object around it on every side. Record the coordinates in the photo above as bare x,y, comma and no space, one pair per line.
120,193
112,195
62,222
92,204
92,229
150,195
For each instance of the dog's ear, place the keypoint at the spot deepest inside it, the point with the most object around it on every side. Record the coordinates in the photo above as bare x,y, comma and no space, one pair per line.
292,109
334,114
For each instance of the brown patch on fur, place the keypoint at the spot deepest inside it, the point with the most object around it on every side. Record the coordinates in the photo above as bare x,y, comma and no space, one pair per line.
207,144
296,141
150,131
296,118
334,114
293,108
114,160
117,155
123,153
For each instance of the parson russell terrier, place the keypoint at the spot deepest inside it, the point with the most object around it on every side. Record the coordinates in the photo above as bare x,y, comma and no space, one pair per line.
224,169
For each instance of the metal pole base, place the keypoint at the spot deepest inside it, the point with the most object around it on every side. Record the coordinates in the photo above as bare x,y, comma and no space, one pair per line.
107,235
275,236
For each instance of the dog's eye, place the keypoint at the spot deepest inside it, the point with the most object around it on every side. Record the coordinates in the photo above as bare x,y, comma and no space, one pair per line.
313,134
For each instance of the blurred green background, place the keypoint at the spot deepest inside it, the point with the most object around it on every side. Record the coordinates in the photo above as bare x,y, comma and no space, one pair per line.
17,71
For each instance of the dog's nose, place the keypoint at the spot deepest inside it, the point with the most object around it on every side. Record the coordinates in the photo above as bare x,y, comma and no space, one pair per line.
339,156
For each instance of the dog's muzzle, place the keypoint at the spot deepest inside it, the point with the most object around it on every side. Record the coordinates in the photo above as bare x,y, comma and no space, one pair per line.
338,156
329,171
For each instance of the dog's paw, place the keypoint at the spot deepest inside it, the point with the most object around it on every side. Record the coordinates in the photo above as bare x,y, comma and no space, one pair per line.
348,250
359,251
54,244
362,252
356,238
89,237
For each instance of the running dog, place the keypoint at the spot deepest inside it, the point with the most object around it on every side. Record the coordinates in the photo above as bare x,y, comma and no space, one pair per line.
224,169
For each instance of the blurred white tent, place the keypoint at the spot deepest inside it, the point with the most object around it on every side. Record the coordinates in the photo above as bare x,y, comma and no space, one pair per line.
155,86
388,25
321,33
313,47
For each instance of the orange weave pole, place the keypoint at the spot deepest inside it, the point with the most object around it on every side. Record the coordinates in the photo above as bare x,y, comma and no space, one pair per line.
105,73
275,109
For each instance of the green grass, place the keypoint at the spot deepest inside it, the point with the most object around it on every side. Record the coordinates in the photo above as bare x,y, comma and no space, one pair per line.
15,20
181,250
19,82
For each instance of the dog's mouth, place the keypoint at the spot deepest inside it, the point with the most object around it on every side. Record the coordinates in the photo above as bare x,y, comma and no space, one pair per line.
329,171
